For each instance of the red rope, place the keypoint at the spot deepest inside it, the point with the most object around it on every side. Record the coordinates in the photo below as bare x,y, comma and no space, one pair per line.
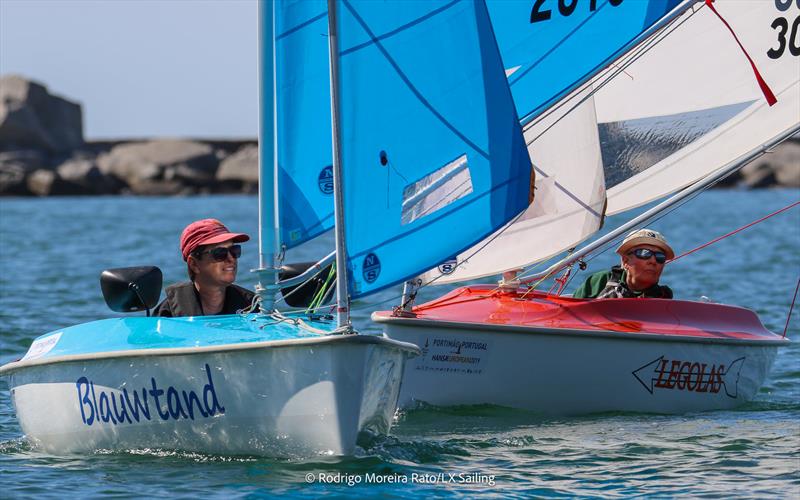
761,82
786,328
736,231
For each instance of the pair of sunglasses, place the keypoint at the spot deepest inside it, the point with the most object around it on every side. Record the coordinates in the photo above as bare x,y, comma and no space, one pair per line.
221,253
646,253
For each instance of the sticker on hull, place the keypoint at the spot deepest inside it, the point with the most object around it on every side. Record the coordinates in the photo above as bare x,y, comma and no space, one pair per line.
40,347
691,376
453,355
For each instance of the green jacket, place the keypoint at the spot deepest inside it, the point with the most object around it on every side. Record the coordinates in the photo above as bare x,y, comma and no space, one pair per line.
611,284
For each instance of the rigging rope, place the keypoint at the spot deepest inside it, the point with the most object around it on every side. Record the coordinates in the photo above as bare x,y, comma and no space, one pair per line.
786,328
736,231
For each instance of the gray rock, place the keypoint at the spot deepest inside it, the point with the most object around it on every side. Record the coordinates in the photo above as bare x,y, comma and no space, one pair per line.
173,160
31,117
15,167
156,188
45,182
758,175
787,164
85,173
41,182
190,175
240,166
29,159
780,167
77,170
12,180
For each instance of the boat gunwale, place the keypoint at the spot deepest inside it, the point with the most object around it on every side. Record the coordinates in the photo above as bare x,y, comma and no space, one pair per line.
13,366
383,317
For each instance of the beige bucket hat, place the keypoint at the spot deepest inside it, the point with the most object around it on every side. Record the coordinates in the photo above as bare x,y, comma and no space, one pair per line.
645,237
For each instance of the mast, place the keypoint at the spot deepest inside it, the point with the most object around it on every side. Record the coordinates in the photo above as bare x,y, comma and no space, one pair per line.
721,173
342,295
268,216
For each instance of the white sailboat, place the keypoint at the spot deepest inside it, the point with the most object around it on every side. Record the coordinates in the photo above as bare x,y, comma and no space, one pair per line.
680,111
260,383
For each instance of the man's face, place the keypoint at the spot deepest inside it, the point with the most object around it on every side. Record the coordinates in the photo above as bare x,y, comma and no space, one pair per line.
212,272
642,273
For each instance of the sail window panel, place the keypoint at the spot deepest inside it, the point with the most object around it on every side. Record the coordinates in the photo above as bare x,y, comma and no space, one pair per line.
631,147
436,190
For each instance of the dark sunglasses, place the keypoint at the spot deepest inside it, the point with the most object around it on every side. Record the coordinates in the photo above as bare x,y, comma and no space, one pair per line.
646,253
221,253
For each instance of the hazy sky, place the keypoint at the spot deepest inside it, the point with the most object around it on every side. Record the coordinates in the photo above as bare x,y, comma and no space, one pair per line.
140,68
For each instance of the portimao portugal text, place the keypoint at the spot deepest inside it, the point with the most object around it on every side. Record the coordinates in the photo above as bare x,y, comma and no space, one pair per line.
120,407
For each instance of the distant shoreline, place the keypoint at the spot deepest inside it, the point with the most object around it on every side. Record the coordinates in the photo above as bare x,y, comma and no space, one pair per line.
186,167
43,153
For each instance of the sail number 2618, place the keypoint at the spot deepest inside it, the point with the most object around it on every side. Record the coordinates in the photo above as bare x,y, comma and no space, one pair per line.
565,8
782,25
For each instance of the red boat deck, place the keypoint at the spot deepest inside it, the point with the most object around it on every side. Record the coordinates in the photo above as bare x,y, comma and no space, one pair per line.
485,304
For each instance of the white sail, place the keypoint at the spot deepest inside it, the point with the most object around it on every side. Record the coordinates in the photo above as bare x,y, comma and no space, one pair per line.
692,103
568,203
673,110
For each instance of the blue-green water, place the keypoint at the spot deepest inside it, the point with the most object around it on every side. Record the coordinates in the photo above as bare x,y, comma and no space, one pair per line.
54,250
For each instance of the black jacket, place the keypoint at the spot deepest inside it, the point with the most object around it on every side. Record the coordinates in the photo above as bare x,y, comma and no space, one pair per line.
183,299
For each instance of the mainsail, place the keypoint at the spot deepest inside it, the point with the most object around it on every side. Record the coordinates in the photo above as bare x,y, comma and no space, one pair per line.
433,157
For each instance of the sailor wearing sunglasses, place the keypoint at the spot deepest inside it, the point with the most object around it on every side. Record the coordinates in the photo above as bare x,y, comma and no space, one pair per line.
644,253
212,256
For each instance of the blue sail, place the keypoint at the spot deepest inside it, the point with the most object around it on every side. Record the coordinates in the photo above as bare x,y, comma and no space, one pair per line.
304,120
550,47
433,157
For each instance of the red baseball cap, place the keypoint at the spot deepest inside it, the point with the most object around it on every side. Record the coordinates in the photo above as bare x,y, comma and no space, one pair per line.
207,232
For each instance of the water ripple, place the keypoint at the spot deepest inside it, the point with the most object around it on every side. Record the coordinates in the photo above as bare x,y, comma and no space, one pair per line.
750,452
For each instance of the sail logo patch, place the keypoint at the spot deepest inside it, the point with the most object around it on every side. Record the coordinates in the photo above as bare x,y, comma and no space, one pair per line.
448,266
691,376
325,180
371,268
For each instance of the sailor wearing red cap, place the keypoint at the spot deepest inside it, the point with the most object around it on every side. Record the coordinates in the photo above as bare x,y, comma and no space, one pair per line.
211,253
643,254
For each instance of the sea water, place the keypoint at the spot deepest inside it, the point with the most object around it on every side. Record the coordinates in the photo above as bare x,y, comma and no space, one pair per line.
53,250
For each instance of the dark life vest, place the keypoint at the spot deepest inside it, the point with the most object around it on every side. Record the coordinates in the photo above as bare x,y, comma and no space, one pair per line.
183,299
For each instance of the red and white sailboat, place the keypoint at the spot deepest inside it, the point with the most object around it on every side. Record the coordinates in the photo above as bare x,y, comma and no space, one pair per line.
676,114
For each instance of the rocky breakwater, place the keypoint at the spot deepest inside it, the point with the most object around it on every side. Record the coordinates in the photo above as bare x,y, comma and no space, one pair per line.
43,153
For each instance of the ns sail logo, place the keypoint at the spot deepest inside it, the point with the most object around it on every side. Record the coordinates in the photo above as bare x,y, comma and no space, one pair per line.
325,180
371,268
